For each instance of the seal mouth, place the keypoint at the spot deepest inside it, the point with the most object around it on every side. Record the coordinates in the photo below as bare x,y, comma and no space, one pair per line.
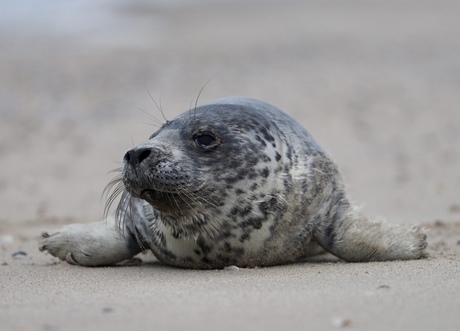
164,201
149,194
153,197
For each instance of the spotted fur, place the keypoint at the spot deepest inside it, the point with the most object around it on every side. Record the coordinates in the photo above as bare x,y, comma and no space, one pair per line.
234,182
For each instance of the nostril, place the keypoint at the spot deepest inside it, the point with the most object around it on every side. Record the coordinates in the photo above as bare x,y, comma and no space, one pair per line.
127,157
136,156
143,155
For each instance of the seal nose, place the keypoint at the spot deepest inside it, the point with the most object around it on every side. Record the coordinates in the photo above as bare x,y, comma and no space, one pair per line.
134,157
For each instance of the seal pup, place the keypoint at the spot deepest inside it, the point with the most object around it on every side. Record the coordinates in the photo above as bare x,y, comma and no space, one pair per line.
233,182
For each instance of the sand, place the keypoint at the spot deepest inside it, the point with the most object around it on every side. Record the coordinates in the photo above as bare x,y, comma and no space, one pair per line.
377,84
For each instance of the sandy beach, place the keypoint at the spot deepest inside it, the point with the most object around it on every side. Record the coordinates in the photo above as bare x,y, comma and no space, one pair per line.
377,84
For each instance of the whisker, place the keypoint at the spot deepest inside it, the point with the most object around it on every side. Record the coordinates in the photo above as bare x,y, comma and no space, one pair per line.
201,91
200,199
122,209
110,200
162,112
125,206
158,105
156,121
185,199
112,190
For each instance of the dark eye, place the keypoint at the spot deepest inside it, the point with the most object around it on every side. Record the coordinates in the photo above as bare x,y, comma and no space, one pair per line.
205,140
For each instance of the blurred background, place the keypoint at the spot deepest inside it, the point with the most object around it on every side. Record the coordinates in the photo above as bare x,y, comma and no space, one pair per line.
376,82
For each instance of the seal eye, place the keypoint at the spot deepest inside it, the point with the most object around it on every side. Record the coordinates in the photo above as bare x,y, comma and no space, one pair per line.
205,140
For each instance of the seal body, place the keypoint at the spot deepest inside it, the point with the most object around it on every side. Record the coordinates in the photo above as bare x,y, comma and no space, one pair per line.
236,182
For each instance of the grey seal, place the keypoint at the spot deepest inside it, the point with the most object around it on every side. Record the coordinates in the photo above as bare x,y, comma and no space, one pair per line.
233,182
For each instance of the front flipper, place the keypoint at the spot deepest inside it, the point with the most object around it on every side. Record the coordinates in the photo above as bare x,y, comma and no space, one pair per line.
93,244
